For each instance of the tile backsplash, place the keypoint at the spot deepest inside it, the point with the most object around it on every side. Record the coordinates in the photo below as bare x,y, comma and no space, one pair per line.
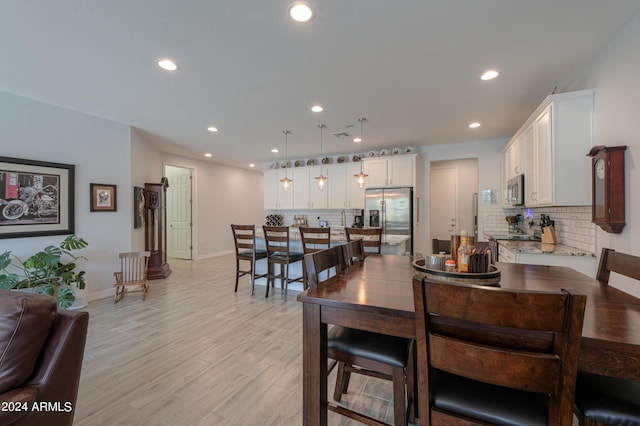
572,224
334,217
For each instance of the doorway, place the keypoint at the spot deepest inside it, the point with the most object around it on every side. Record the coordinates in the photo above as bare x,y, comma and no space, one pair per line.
179,212
453,184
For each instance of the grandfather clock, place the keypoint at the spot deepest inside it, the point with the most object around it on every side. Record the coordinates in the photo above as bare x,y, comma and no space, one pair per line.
155,231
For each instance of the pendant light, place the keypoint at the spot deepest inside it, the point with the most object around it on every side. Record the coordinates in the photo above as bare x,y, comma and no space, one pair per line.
322,180
361,176
286,182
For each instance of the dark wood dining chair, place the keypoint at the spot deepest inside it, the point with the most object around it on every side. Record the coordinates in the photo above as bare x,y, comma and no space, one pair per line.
365,352
489,355
353,252
607,400
438,246
371,238
244,238
278,245
314,239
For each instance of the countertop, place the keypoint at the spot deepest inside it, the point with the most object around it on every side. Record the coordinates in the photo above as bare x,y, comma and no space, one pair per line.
536,247
340,236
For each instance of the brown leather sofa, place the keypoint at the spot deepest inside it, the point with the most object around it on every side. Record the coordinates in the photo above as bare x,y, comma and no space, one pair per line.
41,352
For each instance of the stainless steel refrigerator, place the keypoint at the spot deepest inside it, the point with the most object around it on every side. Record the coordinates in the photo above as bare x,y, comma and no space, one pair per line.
392,210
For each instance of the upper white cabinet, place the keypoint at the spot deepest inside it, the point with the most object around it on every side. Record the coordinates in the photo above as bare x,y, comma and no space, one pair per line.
389,172
274,196
306,193
555,141
343,190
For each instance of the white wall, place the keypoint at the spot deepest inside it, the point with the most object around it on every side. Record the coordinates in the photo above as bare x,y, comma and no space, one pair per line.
614,74
222,195
488,154
100,151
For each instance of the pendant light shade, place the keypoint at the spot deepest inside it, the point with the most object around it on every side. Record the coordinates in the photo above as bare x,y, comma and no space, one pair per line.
322,180
360,177
286,182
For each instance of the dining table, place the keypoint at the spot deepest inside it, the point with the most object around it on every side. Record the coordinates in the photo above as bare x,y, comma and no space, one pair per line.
377,295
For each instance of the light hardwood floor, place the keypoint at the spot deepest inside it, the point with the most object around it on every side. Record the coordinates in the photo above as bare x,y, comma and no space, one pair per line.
196,353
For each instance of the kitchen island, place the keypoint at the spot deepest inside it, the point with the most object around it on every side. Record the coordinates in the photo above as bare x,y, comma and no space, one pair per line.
391,244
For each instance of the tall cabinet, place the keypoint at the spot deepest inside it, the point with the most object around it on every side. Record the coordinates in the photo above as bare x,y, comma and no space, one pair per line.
155,229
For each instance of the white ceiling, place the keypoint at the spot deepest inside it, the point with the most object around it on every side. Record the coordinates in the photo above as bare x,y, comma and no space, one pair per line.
411,67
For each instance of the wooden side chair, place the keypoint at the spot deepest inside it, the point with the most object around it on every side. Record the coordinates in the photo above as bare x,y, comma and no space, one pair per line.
278,253
607,400
314,239
353,252
371,238
244,237
510,359
133,273
440,245
364,352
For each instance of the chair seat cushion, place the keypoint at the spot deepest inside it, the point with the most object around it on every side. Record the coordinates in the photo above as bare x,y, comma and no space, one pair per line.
390,350
260,254
282,256
488,403
608,400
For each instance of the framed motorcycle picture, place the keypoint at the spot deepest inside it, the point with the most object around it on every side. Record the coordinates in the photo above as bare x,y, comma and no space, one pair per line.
36,198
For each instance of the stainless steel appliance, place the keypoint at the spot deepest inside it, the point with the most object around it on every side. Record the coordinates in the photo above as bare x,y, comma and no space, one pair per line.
358,218
392,210
515,191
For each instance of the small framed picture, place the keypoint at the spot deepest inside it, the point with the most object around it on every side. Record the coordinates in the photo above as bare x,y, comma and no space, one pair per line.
103,198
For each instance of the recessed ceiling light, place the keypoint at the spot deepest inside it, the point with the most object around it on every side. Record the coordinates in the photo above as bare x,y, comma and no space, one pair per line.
252,165
208,155
167,64
474,125
301,12
212,129
317,108
357,140
274,150
490,75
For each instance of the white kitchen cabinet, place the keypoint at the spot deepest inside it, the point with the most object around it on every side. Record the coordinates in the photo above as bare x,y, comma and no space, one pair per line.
514,158
583,264
555,140
343,192
390,172
306,193
274,196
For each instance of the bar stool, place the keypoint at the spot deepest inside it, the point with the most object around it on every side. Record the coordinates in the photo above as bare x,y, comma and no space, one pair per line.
313,240
244,237
371,238
277,244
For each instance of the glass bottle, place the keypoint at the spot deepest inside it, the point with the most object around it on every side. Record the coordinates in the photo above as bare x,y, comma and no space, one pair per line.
463,252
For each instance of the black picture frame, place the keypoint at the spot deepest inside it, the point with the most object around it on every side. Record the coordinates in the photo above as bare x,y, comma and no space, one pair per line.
104,197
36,198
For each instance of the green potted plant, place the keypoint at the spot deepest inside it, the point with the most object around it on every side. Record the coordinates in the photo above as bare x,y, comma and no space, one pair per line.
51,271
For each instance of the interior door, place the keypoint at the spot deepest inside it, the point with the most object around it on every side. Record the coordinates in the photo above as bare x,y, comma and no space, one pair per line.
443,200
179,203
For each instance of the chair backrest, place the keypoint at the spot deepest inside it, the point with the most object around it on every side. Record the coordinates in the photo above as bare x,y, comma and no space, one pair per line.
244,237
133,267
353,252
315,239
276,239
621,263
371,238
518,339
440,245
323,264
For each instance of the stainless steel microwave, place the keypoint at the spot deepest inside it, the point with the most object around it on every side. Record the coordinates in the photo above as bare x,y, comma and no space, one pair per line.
515,191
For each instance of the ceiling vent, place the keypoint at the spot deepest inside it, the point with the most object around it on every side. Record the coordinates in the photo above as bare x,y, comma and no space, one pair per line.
341,134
